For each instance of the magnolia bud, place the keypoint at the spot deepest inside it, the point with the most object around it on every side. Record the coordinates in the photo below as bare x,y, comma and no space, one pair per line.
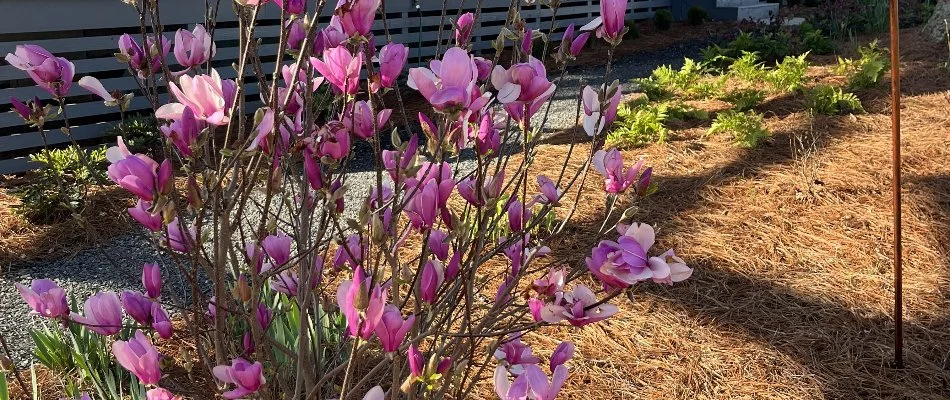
361,302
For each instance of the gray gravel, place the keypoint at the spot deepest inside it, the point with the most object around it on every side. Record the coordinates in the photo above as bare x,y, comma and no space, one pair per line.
90,271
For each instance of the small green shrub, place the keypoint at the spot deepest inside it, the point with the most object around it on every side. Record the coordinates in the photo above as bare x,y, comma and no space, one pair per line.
829,100
745,127
663,19
715,57
867,71
770,46
696,15
788,75
680,111
748,68
633,31
664,80
708,89
141,134
744,99
60,184
815,41
638,126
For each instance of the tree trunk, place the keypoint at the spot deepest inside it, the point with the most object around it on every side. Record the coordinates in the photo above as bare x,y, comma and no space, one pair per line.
936,28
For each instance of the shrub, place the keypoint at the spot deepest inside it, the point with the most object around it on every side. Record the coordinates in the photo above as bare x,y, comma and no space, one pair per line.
744,99
141,134
633,29
745,127
748,68
788,75
815,41
638,126
663,19
696,15
867,71
664,80
59,186
829,100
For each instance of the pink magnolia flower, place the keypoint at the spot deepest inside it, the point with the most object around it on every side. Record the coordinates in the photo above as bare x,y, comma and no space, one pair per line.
376,393
152,280
550,193
483,67
416,363
527,41
552,283
296,35
432,277
422,208
52,74
520,254
179,239
208,96
145,217
523,88
392,329
357,16
397,162
612,13
452,270
334,141
541,389
292,6
518,215
137,306
610,164
572,306
571,46
138,173
139,357
508,390
439,244
131,52
619,264
183,132
353,252
246,377
599,112
264,316
563,352
515,355
667,268
362,305
160,321
392,60
450,84
103,314
359,119
277,247
95,87
194,48
23,110
160,394
330,37
488,139
45,297
478,197
463,29
341,68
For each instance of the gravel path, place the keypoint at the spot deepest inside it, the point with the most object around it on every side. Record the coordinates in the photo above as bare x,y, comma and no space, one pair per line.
91,270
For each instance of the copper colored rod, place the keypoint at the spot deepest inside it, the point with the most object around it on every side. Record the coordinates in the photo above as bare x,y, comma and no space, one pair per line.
896,184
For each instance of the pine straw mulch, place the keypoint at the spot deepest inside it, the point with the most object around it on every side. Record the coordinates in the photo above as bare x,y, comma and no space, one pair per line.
791,243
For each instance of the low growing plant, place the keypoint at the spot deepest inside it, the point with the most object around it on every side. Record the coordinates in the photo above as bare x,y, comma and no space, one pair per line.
663,19
696,15
788,75
815,41
746,128
744,99
868,70
60,185
141,134
639,126
829,100
748,68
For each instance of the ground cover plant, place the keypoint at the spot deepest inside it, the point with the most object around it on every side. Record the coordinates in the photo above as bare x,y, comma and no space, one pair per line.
421,294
